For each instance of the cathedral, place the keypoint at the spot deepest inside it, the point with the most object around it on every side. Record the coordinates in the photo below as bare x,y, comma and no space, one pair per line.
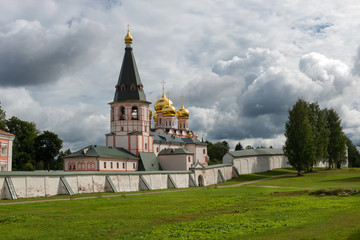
134,143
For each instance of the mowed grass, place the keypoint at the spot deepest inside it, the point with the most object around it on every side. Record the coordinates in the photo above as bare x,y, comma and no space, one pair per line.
246,212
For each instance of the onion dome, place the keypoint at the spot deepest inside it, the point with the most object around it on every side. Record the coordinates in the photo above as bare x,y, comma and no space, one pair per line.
150,114
182,113
161,103
168,110
155,117
128,38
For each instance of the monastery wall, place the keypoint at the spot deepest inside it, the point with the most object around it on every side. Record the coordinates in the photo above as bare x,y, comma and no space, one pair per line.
44,184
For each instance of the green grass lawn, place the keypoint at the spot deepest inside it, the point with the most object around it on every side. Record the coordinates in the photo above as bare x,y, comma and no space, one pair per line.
246,212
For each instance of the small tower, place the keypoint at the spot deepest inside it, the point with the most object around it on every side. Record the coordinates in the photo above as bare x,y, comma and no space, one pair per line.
168,115
182,115
129,111
159,105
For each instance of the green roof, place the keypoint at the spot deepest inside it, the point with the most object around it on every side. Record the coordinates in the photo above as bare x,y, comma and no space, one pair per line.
169,138
129,76
102,151
171,151
148,162
257,152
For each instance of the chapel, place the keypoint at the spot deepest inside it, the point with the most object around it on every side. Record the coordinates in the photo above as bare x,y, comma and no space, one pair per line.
134,143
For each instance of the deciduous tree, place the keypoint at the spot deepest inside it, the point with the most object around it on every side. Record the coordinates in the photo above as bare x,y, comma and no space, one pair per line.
47,146
299,145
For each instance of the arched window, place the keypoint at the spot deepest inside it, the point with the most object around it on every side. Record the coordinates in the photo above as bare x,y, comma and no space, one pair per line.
104,164
132,87
112,114
134,113
145,145
122,113
203,151
122,87
124,165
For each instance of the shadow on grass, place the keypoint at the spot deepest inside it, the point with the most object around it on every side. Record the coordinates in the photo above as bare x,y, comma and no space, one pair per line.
352,179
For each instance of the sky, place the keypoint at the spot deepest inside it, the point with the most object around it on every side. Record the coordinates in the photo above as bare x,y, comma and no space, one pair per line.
240,65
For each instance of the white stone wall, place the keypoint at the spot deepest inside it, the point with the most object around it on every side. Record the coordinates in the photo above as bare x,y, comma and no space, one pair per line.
49,184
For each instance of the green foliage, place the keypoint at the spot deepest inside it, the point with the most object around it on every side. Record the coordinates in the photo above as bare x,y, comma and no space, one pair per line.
313,135
239,146
2,119
25,134
354,155
217,151
299,145
336,147
59,163
248,147
47,146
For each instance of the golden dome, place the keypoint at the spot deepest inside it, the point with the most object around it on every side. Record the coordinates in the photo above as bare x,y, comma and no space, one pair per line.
128,37
168,110
155,117
150,114
182,113
161,103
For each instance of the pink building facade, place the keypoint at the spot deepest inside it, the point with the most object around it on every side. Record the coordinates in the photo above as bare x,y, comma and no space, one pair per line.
6,144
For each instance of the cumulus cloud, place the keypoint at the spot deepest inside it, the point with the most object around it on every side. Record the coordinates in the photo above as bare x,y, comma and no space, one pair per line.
32,54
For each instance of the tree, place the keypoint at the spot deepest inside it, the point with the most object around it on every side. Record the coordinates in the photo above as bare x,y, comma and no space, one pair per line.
217,151
25,134
317,118
2,119
353,154
248,147
47,146
239,147
59,162
336,147
299,144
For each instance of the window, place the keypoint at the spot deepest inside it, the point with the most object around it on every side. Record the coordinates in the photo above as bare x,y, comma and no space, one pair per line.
122,113
159,120
134,165
111,165
122,128
132,87
124,165
3,150
122,87
134,113
189,159
117,165
157,149
145,145
203,151
104,164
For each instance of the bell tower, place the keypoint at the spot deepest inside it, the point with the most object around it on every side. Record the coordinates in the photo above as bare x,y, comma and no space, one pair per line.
129,111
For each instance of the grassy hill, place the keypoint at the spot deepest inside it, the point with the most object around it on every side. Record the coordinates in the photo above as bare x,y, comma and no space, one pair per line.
280,208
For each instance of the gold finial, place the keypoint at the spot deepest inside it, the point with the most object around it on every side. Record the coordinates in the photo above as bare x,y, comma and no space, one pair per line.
163,87
182,101
128,37
168,93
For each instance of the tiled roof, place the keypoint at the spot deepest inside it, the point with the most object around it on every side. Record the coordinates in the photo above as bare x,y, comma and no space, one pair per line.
102,151
6,133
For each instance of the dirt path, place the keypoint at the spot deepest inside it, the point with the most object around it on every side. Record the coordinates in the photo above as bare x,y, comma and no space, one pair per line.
153,192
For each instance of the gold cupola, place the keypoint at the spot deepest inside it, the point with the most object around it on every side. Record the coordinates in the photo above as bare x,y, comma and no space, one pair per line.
182,113
155,117
163,101
168,110
150,114
128,38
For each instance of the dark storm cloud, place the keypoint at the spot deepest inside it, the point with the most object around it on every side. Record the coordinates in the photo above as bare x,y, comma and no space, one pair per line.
33,55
